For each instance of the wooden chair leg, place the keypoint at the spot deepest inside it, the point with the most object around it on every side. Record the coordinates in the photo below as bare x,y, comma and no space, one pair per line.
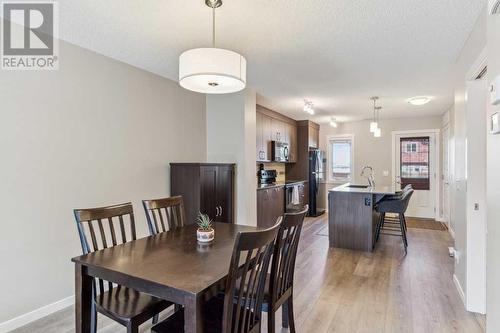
93,319
271,321
285,321
291,320
155,319
132,327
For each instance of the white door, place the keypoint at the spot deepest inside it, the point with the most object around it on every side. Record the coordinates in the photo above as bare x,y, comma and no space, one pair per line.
415,164
446,175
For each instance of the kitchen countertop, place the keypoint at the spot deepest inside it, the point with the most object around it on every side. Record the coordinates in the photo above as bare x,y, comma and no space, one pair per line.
279,184
375,190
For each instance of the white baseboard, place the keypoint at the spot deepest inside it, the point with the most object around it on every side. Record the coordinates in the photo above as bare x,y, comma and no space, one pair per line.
459,289
44,311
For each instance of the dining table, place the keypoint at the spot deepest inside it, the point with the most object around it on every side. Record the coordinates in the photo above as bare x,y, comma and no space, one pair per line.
171,265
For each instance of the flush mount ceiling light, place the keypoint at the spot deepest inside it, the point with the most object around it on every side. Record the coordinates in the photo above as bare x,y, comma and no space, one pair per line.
374,123
333,122
212,70
309,107
419,100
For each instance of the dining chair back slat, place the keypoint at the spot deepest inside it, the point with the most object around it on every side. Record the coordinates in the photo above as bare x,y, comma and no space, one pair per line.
285,252
164,214
100,225
245,284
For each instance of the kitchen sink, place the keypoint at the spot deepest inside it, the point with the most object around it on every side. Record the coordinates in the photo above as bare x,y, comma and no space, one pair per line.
358,186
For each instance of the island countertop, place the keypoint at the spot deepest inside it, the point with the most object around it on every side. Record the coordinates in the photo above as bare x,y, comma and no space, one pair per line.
353,188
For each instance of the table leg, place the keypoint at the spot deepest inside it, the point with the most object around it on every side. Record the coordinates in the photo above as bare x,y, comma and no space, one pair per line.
192,316
83,299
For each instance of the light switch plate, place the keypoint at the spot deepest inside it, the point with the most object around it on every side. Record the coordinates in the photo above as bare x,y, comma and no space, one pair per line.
386,173
495,123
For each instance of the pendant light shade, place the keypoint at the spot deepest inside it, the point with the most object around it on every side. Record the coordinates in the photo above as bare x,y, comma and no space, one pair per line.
377,133
212,71
373,126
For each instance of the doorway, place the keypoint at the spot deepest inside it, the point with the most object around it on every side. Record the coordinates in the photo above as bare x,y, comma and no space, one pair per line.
415,161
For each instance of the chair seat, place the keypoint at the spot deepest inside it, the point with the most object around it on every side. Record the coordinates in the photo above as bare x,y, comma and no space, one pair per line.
124,304
212,313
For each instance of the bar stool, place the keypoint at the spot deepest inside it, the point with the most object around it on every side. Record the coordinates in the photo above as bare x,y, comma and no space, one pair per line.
394,205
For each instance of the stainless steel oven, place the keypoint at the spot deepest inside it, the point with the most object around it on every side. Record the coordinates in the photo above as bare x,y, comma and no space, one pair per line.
280,151
294,196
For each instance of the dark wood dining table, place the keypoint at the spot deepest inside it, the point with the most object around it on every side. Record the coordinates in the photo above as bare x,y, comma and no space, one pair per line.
172,266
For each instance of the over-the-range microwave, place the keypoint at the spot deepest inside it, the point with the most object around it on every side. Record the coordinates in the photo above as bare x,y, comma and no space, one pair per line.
280,151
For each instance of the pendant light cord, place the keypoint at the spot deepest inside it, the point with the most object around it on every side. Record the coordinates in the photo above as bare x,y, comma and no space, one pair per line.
213,26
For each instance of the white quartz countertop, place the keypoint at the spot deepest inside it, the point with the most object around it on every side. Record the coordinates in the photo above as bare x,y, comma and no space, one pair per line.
352,188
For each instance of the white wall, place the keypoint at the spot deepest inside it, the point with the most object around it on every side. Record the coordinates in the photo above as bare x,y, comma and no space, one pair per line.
493,189
458,119
231,138
95,132
376,152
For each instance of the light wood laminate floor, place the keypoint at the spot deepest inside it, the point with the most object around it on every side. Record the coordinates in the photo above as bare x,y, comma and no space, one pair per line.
345,291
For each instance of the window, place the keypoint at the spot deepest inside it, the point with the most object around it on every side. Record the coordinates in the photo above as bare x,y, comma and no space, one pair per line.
415,162
340,158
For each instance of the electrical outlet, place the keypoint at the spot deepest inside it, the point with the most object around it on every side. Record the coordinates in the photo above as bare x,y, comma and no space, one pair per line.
385,173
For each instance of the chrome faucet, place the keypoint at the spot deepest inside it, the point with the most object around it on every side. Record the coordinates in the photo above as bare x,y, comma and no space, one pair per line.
371,180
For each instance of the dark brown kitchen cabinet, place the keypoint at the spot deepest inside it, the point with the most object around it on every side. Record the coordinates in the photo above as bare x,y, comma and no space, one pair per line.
270,205
206,187
291,139
313,135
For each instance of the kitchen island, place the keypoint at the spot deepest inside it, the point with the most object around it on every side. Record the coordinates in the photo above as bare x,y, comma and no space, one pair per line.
352,218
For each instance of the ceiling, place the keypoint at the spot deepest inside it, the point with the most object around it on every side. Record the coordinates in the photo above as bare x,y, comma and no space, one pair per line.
336,53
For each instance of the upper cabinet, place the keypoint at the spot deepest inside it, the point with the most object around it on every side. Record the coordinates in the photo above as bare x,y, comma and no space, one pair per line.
272,126
291,139
313,135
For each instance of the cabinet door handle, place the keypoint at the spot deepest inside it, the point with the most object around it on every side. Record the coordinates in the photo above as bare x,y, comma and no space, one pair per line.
220,210
216,211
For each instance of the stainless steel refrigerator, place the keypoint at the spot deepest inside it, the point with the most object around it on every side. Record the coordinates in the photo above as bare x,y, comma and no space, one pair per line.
316,175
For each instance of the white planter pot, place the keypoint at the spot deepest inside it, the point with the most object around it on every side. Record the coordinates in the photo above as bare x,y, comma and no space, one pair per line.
205,236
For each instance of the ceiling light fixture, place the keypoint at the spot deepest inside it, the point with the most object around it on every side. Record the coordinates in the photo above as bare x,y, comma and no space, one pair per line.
419,100
373,123
212,70
308,107
333,122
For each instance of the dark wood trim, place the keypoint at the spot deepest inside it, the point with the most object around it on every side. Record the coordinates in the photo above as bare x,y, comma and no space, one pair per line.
275,115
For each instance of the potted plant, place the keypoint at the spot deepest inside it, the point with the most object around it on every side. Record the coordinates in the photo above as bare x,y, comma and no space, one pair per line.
205,232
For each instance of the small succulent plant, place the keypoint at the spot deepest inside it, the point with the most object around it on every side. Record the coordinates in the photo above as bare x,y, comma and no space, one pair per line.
204,222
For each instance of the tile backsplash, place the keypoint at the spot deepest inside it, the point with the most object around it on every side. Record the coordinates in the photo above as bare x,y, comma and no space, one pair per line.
279,167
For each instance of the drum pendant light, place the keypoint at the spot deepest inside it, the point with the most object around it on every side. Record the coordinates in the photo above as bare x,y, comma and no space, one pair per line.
212,70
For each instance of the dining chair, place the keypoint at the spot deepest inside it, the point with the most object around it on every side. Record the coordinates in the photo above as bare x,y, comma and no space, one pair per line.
279,284
164,214
238,310
101,228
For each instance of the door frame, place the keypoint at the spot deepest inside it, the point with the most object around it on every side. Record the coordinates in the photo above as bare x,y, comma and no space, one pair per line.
446,213
437,165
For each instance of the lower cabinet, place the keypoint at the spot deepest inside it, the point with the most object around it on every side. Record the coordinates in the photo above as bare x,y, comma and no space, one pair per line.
270,206
206,188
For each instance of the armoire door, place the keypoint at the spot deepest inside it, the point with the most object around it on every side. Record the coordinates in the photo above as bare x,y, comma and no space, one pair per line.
224,194
208,191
